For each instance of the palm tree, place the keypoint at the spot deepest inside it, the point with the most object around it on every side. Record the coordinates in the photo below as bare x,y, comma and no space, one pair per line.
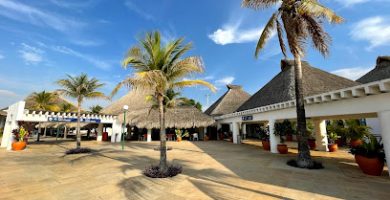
159,68
66,107
95,109
44,101
81,88
299,20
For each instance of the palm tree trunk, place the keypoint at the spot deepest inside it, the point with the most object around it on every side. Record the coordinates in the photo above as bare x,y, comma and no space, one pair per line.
39,131
78,134
65,132
163,138
304,159
44,132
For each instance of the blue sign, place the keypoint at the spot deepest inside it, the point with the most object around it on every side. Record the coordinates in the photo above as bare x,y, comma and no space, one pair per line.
247,118
71,119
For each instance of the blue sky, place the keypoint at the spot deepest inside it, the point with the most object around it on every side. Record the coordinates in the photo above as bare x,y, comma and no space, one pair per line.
42,40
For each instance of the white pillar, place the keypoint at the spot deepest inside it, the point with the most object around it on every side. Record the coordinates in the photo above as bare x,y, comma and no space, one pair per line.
219,126
243,131
384,118
320,135
149,135
201,137
273,139
99,132
14,113
236,131
44,132
116,132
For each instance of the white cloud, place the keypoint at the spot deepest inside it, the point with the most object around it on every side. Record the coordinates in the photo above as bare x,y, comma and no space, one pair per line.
375,30
350,3
30,54
1,56
352,73
25,13
87,43
7,93
135,8
233,34
225,81
208,77
94,61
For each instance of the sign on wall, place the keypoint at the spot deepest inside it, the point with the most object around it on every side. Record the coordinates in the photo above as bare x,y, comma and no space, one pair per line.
71,119
247,118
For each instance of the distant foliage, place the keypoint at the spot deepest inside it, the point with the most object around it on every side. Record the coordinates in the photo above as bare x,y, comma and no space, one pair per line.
154,172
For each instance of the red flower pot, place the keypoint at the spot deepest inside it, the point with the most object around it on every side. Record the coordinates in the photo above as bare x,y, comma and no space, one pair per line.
289,137
17,146
370,166
312,144
356,143
282,149
333,147
266,145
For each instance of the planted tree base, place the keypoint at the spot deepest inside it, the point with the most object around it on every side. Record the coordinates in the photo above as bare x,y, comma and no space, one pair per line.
316,165
78,151
153,171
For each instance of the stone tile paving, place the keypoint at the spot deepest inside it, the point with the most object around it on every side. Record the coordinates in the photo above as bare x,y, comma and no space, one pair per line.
212,170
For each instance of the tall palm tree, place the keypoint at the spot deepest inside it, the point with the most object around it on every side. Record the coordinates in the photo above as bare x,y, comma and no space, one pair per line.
159,68
66,107
44,101
95,109
80,87
298,20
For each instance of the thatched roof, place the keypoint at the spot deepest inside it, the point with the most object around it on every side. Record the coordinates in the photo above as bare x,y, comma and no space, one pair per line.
179,117
135,99
3,113
381,71
282,88
228,102
57,100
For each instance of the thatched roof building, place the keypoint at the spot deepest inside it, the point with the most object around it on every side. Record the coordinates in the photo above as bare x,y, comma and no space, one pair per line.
141,114
228,102
282,88
381,71
3,113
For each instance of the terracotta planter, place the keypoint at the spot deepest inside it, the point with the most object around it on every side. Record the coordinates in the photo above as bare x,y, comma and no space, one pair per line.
282,149
266,145
178,139
370,166
289,138
17,146
356,143
333,147
206,138
312,144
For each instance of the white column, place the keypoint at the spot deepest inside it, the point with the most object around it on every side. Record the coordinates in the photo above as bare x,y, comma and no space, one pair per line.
116,132
219,126
149,135
99,130
384,118
44,132
236,131
273,139
243,131
320,135
14,113
201,137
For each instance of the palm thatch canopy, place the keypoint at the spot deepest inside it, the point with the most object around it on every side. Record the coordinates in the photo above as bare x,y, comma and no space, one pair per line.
179,117
381,71
135,99
228,102
3,113
142,115
282,88
57,100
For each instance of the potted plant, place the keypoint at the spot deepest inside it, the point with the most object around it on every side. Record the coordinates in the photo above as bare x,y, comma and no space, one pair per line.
19,136
369,156
355,132
180,134
264,137
332,138
280,130
311,141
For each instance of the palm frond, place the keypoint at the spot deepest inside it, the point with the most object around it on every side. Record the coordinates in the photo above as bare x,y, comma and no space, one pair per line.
319,37
259,4
187,83
314,8
267,31
280,37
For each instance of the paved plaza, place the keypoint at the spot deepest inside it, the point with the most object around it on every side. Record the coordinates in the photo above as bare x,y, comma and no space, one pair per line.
212,170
